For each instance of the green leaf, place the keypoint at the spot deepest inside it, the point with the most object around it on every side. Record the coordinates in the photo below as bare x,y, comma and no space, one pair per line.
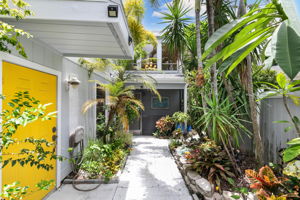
287,50
281,80
294,141
226,31
289,8
281,121
291,153
236,196
287,129
248,50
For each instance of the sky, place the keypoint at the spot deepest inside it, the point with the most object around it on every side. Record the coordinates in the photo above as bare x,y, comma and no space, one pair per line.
152,16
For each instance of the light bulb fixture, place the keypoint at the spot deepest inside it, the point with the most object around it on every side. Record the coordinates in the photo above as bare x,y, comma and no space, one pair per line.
73,81
112,11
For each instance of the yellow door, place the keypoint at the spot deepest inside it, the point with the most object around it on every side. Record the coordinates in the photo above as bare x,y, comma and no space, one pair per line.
41,86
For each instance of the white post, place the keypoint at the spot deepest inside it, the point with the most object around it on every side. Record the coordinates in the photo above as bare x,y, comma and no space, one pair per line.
106,105
159,54
185,107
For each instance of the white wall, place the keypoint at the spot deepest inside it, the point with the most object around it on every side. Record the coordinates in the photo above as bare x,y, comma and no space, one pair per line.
71,100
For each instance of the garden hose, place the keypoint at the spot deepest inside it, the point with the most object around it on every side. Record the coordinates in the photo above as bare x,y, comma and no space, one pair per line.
80,158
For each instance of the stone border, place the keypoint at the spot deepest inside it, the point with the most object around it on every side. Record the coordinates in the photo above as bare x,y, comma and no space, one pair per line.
199,187
114,179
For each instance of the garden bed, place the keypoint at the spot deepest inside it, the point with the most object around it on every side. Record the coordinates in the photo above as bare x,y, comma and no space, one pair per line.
201,188
115,179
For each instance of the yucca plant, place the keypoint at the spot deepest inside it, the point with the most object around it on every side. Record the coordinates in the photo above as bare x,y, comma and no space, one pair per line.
226,125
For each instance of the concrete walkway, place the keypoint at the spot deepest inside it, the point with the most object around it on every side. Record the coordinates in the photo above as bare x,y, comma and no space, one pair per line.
150,174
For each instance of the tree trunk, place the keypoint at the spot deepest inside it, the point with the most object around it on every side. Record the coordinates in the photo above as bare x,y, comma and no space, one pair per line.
258,144
200,81
253,110
211,30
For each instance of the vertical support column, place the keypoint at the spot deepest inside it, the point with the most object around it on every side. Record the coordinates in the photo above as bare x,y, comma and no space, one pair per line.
159,54
185,96
106,104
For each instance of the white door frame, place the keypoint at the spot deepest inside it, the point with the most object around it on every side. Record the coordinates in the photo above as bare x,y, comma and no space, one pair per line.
4,57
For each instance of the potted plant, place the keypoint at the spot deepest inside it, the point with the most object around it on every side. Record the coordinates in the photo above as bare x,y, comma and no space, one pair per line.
180,118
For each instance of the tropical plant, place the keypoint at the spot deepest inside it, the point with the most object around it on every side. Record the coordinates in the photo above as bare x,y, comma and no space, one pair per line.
180,117
120,96
10,35
247,35
284,88
102,159
267,185
173,35
226,125
164,125
293,151
134,11
211,162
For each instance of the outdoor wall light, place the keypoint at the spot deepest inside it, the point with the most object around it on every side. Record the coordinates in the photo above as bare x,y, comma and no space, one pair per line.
73,81
112,11
129,40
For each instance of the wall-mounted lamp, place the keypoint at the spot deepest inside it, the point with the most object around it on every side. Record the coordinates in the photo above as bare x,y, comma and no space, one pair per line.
112,11
73,81
129,40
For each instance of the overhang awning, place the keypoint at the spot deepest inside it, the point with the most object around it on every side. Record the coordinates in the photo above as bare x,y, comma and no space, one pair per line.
79,28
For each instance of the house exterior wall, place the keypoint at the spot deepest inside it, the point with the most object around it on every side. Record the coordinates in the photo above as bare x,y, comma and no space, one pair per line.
150,115
71,100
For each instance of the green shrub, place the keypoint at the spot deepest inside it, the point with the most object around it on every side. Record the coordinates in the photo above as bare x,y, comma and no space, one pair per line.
105,159
93,168
164,126
123,139
211,162
180,117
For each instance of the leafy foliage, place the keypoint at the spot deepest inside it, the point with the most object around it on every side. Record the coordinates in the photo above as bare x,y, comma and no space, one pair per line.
267,185
104,159
164,126
211,162
293,151
16,192
226,122
10,35
24,110
285,89
173,34
180,117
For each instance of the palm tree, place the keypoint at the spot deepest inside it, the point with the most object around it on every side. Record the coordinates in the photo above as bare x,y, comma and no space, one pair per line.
174,33
121,96
134,11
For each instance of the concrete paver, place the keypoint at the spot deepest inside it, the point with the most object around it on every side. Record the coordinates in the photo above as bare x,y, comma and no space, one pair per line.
150,174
